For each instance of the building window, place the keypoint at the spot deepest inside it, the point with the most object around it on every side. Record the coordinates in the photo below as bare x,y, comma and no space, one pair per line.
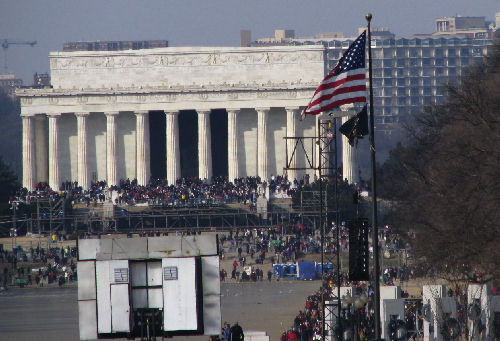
464,51
476,51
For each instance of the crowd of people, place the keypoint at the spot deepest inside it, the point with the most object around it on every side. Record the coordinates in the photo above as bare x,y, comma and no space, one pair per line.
258,246
186,191
275,246
53,265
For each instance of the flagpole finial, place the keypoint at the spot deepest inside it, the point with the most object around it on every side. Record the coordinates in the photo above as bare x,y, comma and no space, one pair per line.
368,17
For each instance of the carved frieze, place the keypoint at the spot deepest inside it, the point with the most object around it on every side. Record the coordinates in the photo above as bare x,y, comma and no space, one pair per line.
26,100
82,99
110,99
184,59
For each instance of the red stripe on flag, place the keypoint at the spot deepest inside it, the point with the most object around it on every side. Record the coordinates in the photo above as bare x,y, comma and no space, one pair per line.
337,103
337,92
341,81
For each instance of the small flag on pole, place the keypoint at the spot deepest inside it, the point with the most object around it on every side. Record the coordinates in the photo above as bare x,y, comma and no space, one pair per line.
346,82
356,127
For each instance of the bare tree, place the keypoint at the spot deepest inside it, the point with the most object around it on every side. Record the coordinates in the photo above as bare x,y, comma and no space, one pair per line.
447,192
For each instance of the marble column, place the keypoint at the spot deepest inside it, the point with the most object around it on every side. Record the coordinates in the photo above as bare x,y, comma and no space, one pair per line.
173,151
349,159
83,172
53,153
142,144
29,169
41,151
262,117
111,171
204,146
232,144
291,119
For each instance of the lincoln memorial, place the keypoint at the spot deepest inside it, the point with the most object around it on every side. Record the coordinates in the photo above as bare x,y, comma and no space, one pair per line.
99,119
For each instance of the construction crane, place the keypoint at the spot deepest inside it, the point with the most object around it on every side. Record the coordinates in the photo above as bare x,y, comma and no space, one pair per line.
5,45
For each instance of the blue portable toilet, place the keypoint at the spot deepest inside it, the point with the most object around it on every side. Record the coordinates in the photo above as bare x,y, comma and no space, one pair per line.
286,270
306,270
318,269
277,270
328,268
293,269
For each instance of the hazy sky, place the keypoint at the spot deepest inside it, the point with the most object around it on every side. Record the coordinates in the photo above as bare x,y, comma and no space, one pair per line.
205,22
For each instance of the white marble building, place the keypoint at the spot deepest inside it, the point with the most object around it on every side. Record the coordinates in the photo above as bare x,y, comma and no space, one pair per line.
95,119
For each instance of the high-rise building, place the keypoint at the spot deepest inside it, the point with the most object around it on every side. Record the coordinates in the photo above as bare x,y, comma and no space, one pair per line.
471,27
113,45
245,37
408,73
9,83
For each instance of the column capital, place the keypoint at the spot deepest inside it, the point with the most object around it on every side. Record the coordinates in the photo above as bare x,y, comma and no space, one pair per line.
82,114
53,115
141,112
204,112
263,109
112,113
171,112
235,110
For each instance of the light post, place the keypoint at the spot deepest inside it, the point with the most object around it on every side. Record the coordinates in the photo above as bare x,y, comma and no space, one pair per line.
13,235
282,226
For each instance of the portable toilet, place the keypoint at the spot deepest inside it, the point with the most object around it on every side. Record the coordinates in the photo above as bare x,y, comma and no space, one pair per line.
286,270
328,268
277,270
306,270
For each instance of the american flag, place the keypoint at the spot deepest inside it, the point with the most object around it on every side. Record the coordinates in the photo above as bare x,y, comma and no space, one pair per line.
345,84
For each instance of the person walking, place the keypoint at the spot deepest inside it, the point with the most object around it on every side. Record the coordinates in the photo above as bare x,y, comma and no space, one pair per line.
227,332
237,333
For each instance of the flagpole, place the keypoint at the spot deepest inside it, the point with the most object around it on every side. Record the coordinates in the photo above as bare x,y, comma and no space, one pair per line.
376,271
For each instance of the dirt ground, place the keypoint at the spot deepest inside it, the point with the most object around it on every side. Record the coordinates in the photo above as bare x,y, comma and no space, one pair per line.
413,287
269,306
